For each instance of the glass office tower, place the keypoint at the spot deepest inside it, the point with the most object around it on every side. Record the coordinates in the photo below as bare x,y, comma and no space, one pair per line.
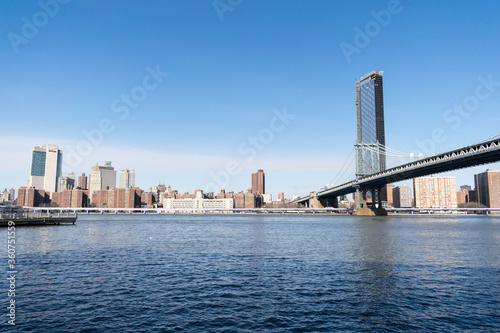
370,124
46,168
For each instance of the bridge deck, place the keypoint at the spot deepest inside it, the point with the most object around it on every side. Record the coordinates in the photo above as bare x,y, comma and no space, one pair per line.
472,155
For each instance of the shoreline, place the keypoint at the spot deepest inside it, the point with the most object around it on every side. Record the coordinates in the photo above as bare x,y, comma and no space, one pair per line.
285,213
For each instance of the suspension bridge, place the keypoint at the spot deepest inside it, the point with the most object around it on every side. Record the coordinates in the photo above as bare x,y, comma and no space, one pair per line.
396,166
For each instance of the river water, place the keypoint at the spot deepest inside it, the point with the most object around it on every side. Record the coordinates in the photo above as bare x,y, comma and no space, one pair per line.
255,273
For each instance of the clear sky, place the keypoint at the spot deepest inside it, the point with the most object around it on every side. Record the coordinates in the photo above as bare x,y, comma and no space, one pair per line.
250,85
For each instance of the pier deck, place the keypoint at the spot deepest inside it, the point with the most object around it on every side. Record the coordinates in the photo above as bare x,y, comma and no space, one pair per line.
20,216
38,221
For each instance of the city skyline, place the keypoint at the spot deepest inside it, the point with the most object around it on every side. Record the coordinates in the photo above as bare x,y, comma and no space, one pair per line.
215,98
116,179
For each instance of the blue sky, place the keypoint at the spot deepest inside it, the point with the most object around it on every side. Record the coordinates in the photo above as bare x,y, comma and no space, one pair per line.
229,74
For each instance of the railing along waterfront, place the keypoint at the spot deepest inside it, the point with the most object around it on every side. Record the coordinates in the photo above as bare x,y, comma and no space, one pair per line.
84,210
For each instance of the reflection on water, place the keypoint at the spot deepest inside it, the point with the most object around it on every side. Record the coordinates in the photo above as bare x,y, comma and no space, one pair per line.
377,270
260,273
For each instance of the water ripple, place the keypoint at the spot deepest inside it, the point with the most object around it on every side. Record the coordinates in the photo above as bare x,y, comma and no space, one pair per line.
255,273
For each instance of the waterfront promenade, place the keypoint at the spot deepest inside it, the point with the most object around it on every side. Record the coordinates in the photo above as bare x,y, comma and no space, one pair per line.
300,211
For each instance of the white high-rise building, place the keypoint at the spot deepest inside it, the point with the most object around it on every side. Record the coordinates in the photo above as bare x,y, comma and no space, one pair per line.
127,178
46,165
102,178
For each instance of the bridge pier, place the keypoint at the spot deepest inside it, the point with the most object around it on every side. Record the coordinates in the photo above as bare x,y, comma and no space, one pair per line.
315,202
362,208
330,202
360,198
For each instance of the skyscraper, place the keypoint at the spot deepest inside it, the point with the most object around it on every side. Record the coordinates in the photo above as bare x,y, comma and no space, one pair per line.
46,165
102,178
12,194
127,178
488,188
82,181
370,124
258,182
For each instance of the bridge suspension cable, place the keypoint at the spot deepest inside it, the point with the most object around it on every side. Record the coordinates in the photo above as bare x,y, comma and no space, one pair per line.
395,157
342,179
391,156
372,157
387,151
343,169
488,139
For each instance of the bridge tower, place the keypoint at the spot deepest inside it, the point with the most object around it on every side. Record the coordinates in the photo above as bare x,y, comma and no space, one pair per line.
370,143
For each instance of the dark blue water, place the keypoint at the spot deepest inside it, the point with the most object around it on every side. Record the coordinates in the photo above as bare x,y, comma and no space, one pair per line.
258,273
